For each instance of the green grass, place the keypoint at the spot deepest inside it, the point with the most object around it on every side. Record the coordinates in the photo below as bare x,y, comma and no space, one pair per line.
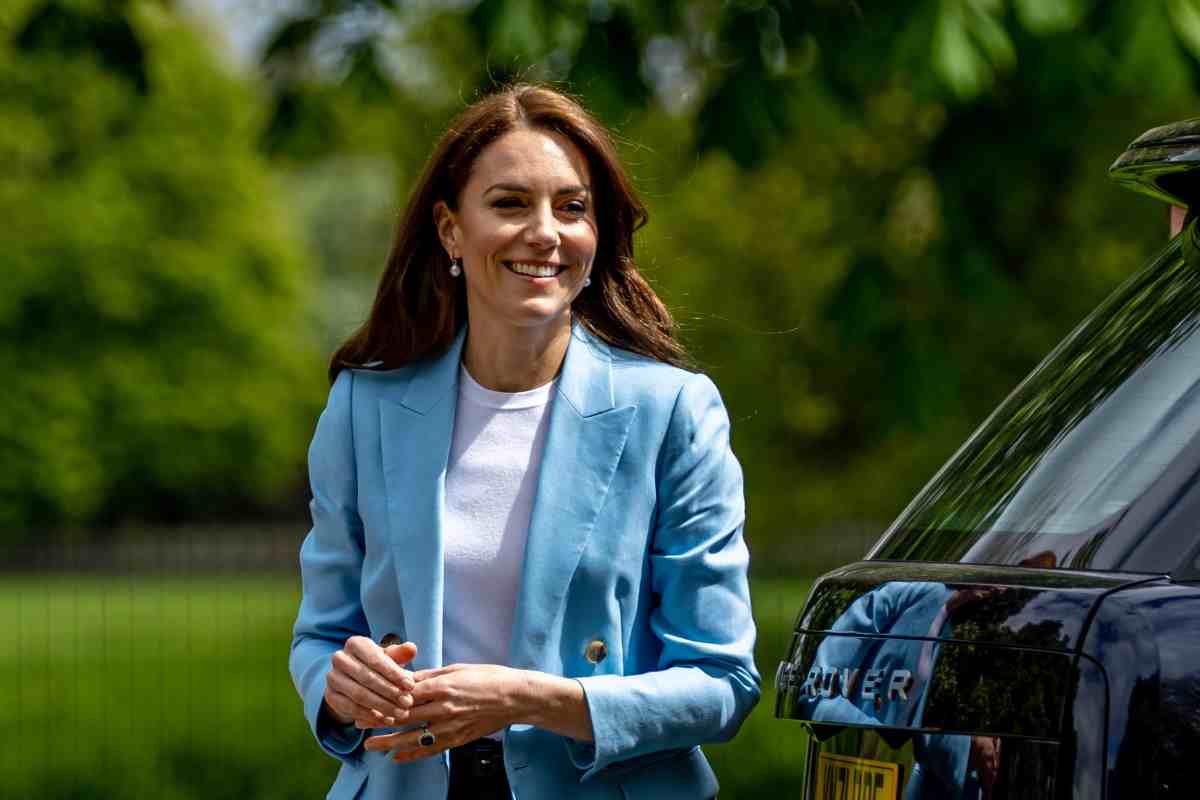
178,688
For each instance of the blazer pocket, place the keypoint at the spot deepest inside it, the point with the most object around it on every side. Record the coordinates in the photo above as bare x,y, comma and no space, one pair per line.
672,774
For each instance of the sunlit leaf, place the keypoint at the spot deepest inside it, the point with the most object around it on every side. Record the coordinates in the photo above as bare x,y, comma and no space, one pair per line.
1185,18
1050,16
992,37
955,59
970,45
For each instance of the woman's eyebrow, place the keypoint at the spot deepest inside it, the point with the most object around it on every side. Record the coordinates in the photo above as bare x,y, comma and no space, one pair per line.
578,188
507,187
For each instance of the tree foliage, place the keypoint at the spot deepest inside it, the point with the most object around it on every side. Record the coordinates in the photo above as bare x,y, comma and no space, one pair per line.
159,359
871,219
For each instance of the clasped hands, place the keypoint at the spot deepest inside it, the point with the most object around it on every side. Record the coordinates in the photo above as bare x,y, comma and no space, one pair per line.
368,685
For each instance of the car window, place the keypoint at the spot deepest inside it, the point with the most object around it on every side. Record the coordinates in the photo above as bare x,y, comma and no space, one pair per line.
1087,433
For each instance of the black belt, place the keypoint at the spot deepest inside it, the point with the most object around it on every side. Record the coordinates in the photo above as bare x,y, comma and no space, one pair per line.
477,771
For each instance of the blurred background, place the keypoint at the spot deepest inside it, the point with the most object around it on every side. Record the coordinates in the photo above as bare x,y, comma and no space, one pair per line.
871,220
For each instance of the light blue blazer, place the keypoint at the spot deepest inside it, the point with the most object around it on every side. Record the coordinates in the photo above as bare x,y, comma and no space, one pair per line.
635,540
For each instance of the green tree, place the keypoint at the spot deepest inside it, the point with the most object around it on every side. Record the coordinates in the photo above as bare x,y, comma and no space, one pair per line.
871,219
159,349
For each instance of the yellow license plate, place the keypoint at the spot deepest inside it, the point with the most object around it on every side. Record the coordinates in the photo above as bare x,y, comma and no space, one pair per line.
850,778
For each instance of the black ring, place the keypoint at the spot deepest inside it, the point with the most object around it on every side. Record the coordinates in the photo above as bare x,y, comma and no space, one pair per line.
426,739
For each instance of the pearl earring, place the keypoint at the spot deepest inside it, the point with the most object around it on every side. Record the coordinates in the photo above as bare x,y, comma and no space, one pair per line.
587,281
455,267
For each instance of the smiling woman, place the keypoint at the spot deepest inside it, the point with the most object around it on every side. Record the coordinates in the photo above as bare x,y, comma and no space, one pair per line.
526,575
525,235
520,135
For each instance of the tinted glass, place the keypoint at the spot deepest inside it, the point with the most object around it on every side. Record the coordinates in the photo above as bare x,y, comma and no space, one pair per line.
1055,468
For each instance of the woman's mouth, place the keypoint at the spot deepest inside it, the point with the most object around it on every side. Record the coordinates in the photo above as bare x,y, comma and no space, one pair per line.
534,269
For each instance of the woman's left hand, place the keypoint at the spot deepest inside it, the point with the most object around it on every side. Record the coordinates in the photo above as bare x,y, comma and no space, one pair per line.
458,704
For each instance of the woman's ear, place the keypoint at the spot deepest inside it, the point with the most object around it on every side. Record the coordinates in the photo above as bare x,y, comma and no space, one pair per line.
447,227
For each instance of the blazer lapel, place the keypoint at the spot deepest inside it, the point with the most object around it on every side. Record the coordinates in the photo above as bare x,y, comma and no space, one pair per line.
416,430
584,442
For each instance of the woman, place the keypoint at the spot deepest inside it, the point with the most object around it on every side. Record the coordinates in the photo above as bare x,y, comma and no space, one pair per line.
515,477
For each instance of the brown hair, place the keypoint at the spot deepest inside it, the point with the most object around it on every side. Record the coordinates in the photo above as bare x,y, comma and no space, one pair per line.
419,307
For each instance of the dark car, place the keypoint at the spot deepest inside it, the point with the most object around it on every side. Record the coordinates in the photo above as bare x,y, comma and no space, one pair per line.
1029,627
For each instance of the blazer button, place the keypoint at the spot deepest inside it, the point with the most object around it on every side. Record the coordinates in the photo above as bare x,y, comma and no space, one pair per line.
389,640
596,651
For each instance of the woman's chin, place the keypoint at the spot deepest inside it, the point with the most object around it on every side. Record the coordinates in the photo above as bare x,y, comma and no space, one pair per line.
541,311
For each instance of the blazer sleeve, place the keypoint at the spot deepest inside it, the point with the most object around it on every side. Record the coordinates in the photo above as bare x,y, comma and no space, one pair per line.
330,567
706,682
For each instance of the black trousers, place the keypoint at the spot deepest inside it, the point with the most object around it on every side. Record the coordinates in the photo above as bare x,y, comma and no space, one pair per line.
477,771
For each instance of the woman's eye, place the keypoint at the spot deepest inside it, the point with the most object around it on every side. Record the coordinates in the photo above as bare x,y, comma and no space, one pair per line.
575,207
508,202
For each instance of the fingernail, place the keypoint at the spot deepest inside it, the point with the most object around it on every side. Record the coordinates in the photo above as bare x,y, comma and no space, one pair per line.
390,720
399,712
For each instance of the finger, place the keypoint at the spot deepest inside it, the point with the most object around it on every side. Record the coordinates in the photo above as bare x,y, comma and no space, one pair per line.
361,716
383,742
416,754
357,664
395,670
385,664
426,674
430,713
452,736
401,653
371,667
407,756
396,707
439,687
345,710
354,680
408,739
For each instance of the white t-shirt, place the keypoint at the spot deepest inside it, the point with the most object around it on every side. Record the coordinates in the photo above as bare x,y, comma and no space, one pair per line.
490,482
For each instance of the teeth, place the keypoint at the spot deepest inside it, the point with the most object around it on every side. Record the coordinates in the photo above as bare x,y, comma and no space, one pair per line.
533,270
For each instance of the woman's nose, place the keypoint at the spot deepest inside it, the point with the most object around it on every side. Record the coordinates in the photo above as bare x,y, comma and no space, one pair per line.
542,230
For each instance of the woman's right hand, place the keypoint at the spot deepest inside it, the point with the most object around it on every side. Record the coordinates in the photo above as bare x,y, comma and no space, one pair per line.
367,684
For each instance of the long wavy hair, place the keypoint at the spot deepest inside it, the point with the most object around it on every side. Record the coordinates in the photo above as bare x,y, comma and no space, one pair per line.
419,306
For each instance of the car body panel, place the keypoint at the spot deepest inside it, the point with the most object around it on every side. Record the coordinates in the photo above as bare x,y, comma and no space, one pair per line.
1147,636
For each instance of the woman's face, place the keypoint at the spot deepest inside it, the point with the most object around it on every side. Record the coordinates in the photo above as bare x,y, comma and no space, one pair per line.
525,230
